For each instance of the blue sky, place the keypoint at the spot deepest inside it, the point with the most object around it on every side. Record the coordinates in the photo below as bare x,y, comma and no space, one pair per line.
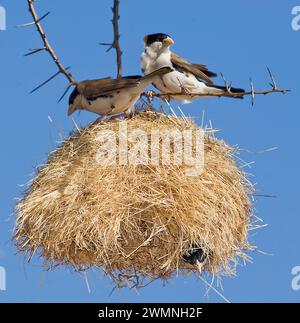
235,37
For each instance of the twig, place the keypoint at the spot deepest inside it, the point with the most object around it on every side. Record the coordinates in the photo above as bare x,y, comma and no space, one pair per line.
34,51
214,289
152,235
225,94
85,277
265,195
252,91
65,91
228,87
116,42
33,22
76,125
47,47
273,84
228,92
45,82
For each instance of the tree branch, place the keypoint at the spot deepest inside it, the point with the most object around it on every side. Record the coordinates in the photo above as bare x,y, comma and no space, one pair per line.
47,47
116,42
226,93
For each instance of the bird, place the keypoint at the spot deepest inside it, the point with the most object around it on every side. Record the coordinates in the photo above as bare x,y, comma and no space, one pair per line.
109,96
194,256
186,79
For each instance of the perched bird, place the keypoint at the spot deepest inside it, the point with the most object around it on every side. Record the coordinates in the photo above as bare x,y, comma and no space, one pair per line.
186,78
112,96
195,255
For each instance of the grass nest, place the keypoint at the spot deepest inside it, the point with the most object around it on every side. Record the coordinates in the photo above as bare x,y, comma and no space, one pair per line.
136,221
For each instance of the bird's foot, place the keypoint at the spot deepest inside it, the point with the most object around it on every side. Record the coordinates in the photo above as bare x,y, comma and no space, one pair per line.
115,117
99,120
129,115
106,118
185,91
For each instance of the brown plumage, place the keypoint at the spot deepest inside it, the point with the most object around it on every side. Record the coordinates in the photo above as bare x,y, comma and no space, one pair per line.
200,71
106,86
109,96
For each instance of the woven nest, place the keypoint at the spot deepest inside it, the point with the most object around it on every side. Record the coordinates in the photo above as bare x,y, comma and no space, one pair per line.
136,221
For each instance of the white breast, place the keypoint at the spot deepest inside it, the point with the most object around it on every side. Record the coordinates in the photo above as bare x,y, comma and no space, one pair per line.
174,82
117,103
150,62
177,82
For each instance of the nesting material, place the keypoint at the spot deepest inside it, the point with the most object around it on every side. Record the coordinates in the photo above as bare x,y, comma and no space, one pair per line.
135,221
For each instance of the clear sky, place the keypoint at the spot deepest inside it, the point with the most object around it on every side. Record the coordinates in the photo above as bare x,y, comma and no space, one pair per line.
238,38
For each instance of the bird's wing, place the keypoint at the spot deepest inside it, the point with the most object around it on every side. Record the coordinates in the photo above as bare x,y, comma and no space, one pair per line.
200,71
92,89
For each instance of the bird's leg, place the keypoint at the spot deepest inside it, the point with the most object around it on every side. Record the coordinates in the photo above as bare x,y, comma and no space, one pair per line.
99,120
130,112
150,95
184,90
168,99
115,117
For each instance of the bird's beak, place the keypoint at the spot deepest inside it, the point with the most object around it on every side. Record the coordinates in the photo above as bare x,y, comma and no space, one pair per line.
168,41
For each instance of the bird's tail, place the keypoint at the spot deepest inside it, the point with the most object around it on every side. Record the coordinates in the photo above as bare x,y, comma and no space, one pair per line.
216,89
160,72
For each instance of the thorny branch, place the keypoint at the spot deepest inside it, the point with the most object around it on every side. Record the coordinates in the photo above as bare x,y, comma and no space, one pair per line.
47,47
116,45
228,93
116,42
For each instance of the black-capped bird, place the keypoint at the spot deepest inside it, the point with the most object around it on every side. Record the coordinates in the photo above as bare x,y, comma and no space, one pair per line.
186,78
112,96
196,254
